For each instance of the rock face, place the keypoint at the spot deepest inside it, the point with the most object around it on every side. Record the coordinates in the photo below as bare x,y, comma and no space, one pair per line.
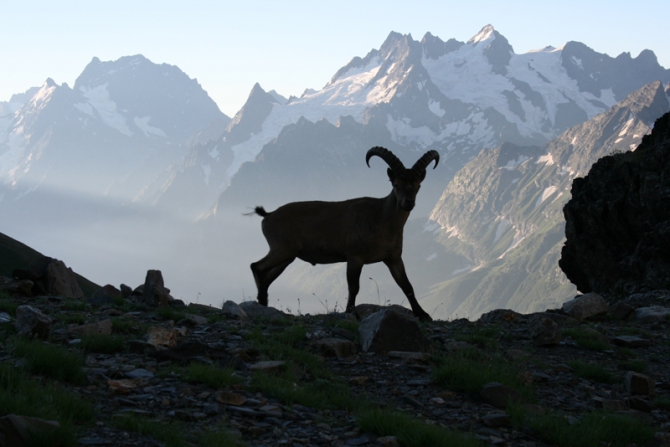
32,323
618,220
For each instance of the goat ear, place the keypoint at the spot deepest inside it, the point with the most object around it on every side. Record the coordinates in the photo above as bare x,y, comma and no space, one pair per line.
389,171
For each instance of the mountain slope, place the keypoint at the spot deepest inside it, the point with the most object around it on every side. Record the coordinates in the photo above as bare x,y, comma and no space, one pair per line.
503,212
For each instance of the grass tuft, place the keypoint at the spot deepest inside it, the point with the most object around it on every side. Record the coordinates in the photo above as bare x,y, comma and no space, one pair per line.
210,375
50,361
101,343
170,434
592,371
412,432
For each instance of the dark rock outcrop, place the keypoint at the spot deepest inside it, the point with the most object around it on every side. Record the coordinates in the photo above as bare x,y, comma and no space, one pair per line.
618,221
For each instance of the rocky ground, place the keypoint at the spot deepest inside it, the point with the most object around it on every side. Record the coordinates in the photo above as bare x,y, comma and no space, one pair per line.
147,376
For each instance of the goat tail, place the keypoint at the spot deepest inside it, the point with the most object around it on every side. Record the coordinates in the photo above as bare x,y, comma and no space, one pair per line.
261,211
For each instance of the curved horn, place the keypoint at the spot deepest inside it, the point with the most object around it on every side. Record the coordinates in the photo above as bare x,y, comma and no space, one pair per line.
423,162
394,163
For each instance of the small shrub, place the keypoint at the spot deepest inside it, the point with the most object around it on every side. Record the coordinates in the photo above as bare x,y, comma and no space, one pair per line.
170,313
210,375
71,304
170,434
124,325
101,343
7,304
586,339
219,439
412,432
470,370
50,360
634,365
72,318
592,371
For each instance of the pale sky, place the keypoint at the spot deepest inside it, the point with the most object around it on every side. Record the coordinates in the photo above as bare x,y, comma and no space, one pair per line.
292,45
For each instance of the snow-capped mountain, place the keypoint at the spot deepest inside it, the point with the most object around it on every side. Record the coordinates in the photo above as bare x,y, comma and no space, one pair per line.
502,213
114,133
456,97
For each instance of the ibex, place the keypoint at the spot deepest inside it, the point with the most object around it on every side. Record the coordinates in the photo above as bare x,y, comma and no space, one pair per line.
357,231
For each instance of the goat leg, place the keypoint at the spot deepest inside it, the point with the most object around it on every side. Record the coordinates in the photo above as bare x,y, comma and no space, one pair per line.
354,269
397,269
265,272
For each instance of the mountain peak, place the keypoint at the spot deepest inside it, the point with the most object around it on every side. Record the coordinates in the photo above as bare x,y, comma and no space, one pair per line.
484,34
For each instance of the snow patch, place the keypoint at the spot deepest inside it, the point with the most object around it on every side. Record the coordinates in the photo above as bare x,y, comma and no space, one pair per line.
208,170
431,257
545,195
464,269
516,241
512,164
546,159
143,125
99,98
214,153
502,226
436,108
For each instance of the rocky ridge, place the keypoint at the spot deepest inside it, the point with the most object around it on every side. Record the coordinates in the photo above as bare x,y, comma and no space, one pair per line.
150,376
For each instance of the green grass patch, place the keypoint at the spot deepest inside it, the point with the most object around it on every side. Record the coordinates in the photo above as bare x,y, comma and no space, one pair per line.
72,318
220,438
590,429
412,432
485,337
633,365
469,370
210,375
662,402
318,393
76,305
587,338
7,304
169,433
125,325
50,361
25,396
103,344
592,371
170,313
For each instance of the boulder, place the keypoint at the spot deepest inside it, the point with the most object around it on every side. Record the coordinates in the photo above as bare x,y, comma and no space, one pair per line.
365,310
618,220
621,311
16,430
640,384
652,314
105,295
544,331
62,281
31,322
254,310
586,306
155,293
22,287
232,309
390,330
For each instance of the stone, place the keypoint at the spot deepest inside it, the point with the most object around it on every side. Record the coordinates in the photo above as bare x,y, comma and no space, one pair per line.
389,330
232,309
363,311
195,351
621,311
255,310
105,295
230,398
162,337
496,419
270,366
155,293
126,291
501,316
500,395
641,384
586,306
388,441
197,320
652,314
631,341
336,347
639,404
103,327
544,331
16,430
62,281
610,404
32,323
23,287
410,357
139,373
